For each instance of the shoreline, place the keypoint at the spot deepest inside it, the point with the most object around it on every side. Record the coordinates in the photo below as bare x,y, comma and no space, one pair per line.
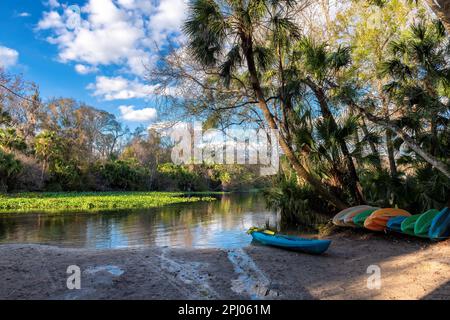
409,270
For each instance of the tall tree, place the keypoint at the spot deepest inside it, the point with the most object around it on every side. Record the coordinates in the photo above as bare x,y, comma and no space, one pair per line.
227,33
320,68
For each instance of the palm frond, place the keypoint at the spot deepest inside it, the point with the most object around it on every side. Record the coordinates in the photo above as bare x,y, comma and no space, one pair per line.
233,59
264,57
206,29
340,58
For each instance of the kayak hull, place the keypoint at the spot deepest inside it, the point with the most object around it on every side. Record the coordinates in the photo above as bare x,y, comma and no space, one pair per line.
348,218
378,220
339,219
423,224
440,226
360,218
312,246
395,223
409,223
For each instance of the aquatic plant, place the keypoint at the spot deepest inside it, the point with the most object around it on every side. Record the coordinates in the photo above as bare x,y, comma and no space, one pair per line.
95,200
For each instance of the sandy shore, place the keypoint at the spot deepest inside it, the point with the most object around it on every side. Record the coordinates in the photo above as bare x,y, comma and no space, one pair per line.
410,269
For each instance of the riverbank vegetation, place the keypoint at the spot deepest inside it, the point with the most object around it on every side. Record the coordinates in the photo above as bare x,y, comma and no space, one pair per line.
95,200
66,145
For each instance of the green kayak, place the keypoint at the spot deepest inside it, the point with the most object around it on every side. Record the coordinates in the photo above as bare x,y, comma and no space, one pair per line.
409,223
360,218
423,224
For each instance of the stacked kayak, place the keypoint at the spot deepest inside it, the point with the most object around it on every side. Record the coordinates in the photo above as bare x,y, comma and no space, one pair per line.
359,219
395,223
378,220
409,223
423,224
440,225
433,224
271,238
345,217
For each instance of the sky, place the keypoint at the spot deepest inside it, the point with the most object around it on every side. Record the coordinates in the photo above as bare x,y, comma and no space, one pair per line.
95,51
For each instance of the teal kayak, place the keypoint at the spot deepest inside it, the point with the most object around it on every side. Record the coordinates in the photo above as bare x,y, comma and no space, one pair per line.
440,226
291,242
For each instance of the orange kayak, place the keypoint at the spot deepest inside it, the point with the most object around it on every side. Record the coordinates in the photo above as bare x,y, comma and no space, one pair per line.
378,219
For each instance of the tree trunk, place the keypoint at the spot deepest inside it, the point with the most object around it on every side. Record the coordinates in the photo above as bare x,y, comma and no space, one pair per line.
287,149
355,186
442,167
372,146
388,135
391,153
44,165
434,134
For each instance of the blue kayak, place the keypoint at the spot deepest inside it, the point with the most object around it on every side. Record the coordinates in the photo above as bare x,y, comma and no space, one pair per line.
395,223
291,242
440,226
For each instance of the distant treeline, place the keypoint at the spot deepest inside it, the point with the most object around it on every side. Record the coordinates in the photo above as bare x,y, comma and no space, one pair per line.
65,145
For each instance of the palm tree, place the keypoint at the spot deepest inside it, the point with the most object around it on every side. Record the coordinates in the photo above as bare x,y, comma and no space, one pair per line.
318,69
419,71
48,148
225,34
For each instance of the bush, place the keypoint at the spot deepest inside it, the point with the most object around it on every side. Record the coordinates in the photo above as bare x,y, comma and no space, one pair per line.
172,176
123,175
10,167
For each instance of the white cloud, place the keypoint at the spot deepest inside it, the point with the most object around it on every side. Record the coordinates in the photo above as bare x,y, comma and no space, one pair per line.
167,19
51,20
53,3
8,57
83,69
24,14
119,88
120,32
143,115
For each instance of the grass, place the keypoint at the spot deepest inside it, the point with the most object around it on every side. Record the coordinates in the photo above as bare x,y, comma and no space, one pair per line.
95,200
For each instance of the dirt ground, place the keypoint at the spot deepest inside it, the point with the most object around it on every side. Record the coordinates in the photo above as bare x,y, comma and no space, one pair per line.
409,269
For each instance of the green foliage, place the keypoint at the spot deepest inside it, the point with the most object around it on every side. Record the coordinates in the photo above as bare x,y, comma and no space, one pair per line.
9,168
319,60
9,140
298,205
185,179
50,147
208,27
123,174
93,200
416,193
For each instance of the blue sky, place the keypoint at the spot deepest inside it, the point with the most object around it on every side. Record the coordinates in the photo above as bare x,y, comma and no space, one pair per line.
95,51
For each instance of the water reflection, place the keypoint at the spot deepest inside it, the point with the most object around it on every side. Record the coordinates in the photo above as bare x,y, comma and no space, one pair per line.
218,224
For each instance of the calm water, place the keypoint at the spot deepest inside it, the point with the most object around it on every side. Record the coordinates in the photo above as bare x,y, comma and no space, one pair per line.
218,224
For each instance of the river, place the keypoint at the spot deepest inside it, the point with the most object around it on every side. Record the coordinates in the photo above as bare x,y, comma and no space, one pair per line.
217,224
